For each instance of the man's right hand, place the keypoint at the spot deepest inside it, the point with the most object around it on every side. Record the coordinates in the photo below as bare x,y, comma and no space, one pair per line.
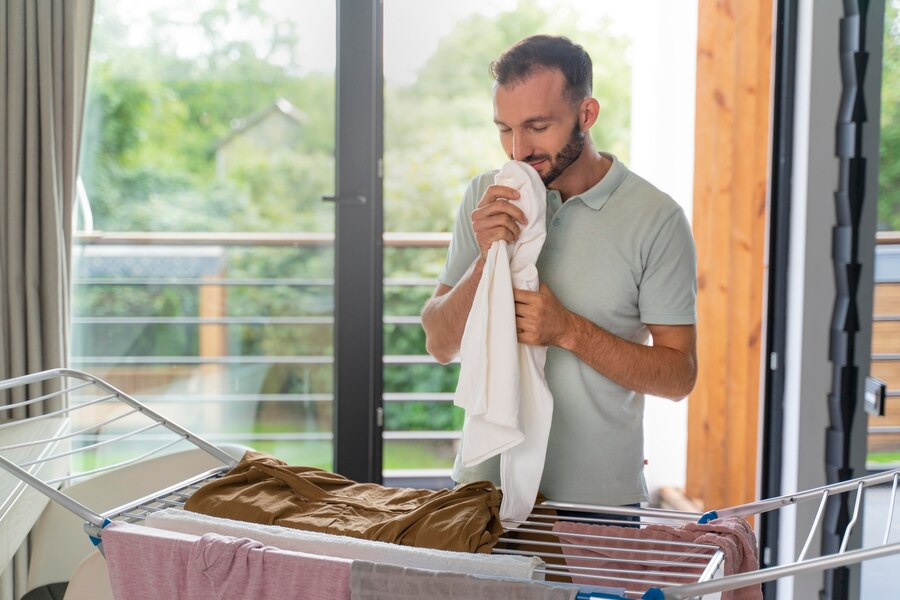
496,219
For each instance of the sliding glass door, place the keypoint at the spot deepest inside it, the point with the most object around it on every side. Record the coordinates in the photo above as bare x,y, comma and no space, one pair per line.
204,259
439,133
212,279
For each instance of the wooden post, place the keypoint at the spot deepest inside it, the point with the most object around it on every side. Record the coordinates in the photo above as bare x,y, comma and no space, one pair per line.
734,41
213,336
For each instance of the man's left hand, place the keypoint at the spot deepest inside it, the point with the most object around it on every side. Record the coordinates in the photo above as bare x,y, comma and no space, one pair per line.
541,320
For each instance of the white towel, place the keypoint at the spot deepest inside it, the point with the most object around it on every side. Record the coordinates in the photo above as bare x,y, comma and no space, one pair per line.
501,382
313,542
373,581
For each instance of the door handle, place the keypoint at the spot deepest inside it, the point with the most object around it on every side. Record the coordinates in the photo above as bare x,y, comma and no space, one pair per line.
345,199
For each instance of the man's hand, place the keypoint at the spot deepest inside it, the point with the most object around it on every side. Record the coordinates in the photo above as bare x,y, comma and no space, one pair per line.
541,319
496,219
668,368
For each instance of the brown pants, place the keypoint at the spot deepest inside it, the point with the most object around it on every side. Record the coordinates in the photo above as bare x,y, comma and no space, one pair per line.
262,489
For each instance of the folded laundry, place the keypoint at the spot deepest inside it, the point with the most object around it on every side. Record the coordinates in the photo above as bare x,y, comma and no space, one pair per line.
372,581
626,550
263,489
150,563
341,546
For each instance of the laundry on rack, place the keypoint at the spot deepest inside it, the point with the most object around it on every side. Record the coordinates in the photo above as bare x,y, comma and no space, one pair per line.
501,383
150,563
339,546
263,489
629,550
373,581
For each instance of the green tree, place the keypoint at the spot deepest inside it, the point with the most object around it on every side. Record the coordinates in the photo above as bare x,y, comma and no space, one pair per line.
158,110
889,166
439,134
155,115
445,117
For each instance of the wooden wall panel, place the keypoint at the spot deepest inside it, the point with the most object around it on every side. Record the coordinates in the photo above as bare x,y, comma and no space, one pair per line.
730,181
886,341
887,299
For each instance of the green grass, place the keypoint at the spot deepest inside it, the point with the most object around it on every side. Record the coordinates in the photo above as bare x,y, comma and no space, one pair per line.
883,458
308,454
398,455
417,455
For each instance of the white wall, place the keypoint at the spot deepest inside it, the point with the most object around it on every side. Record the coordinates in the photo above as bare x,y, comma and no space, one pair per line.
662,151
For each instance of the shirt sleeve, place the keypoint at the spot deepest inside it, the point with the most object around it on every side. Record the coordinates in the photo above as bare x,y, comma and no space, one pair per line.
463,247
668,290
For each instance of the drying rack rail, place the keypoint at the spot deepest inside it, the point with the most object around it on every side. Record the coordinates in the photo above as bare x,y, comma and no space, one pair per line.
87,422
804,563
86,427
629,565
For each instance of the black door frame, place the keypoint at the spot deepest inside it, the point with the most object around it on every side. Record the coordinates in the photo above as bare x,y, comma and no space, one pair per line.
359,227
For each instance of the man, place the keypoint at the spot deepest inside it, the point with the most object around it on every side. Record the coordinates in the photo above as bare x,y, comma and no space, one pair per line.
617,269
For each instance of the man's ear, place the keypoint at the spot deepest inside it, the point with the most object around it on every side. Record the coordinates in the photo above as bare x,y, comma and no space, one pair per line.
588,113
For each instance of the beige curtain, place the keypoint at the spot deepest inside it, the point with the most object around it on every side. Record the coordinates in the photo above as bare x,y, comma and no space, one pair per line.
43,68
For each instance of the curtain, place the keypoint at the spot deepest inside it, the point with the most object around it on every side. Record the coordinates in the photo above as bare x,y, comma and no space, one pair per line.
43,70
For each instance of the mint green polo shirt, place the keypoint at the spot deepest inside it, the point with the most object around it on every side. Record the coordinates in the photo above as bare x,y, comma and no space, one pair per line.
621,255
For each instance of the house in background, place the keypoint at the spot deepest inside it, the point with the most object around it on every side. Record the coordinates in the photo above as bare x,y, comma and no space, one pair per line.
279,126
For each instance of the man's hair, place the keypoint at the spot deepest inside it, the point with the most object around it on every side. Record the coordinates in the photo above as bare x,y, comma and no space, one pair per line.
547,52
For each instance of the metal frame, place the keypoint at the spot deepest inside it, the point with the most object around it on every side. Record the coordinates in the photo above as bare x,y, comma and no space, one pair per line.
29,471
359,226
49,448
831,562
781,167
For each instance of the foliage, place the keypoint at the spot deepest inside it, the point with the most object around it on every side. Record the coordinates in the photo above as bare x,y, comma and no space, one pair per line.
168,146
889,167
458,70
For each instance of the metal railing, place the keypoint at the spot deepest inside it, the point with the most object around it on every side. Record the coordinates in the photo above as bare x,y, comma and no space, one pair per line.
199,265
887,273
884,432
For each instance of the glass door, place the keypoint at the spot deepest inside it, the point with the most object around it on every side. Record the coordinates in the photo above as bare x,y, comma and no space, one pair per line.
439,133
204,259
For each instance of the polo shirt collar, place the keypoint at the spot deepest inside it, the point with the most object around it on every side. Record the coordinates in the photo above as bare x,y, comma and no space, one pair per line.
597,196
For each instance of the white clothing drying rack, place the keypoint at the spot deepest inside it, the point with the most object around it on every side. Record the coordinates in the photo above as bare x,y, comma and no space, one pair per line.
83,414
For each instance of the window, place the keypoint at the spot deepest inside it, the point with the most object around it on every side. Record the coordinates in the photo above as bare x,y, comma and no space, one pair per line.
439,133
204,267
884,435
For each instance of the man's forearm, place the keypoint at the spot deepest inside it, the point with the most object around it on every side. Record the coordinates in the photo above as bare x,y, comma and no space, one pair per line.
657,370
444,315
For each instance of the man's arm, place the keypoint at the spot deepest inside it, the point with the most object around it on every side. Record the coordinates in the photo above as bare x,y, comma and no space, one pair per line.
445,313
444,316
668,368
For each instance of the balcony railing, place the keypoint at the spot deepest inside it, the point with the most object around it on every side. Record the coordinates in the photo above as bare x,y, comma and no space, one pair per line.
217,359
884,432
233,332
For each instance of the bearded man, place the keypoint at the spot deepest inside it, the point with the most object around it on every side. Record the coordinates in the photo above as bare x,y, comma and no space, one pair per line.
616,304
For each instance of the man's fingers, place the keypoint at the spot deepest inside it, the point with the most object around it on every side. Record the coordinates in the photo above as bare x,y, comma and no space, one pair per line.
485,241
492,201
499,192
523,296
496,221
495,208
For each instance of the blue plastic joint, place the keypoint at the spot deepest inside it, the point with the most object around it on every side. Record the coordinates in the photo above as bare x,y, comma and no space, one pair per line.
653,594
708,516
96,540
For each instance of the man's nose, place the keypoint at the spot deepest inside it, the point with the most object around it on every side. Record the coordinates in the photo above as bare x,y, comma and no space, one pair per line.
521,149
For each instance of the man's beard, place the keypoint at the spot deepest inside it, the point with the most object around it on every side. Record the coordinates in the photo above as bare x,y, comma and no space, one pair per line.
564,158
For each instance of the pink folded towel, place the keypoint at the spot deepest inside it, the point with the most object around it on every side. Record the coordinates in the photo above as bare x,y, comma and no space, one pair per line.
146,564
628,549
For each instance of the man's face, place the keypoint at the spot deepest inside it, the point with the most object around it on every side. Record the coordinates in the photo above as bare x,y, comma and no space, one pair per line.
538,124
